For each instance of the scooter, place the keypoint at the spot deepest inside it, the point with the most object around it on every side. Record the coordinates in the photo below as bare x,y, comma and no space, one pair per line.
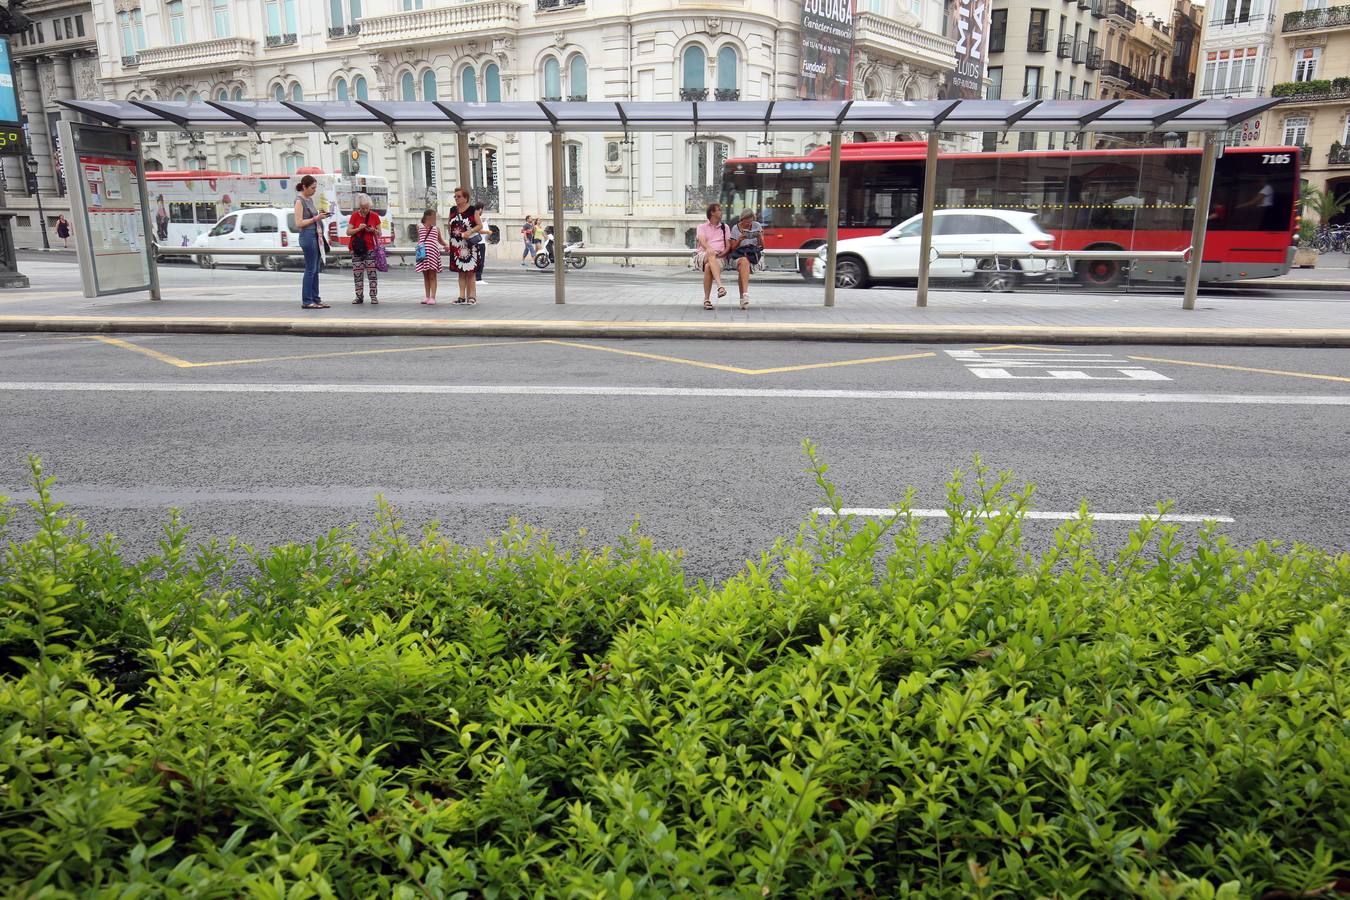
544,257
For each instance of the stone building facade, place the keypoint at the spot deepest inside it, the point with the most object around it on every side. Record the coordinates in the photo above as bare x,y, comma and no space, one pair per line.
55,59
645,189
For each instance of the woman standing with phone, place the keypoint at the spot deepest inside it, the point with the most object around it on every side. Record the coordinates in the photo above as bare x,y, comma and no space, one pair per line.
307,219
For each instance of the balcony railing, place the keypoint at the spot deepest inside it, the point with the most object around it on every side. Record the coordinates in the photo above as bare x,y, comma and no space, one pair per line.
1099,9
1122,10
688,94
726,94
281,40
1309,19
1064,95
697,198
1159,84
344,31
1319,90
1338,156
1232,21
1065,49
1094,59
1138,85
1037,42
550,5
1113,69
1080,51
489,197
436,24
132,61
218,53
574,198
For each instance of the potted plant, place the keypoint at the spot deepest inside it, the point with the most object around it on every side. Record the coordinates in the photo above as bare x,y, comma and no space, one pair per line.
1305,254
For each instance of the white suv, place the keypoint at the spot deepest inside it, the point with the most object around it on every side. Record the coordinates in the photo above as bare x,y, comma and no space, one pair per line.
895,254
247,229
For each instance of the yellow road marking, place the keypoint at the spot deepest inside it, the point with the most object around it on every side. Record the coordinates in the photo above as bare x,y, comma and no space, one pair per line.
153,354
846,362
263,359
1205,365
655,356
1023,347
680,360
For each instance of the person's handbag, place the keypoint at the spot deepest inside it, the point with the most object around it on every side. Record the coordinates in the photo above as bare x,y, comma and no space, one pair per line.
380,258
698,259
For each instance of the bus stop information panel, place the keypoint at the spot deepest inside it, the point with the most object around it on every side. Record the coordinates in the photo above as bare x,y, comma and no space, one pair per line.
109,208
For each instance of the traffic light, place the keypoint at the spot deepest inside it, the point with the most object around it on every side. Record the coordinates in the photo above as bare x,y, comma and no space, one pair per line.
351,159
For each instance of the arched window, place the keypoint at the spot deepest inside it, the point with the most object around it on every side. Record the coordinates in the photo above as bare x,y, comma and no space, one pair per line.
194,97
468,85
290,162
552,79
428,85
727,77
422,179
576,78
340,89
222,95
279,93
297,95
408,86
153,165
237,164
237,95
692,86
707,158
492,83
179,97
359,88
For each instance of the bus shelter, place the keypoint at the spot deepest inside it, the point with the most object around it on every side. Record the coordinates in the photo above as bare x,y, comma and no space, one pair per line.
931,117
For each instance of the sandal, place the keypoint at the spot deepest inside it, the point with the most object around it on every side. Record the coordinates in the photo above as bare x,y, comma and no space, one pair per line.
721,292
745,301
470,300
357,302
459,301
707,304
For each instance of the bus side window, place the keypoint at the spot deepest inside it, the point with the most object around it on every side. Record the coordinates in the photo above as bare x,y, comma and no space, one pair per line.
206,213
181,213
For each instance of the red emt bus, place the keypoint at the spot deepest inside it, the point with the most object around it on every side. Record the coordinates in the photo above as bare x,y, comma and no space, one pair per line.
1137,199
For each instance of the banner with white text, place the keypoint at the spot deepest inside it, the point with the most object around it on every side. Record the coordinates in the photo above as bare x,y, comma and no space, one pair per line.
827,50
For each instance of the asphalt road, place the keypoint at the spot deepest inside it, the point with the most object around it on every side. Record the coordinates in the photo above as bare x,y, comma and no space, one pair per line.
275,439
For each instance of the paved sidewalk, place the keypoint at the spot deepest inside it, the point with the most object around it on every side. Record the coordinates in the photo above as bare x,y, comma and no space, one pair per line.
618,303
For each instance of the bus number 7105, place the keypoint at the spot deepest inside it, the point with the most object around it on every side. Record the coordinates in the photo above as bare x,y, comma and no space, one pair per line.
1275,159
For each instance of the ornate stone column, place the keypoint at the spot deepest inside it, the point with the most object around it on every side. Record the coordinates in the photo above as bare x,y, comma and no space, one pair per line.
36,113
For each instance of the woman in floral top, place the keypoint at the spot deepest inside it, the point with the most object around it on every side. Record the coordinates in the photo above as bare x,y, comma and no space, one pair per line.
464,224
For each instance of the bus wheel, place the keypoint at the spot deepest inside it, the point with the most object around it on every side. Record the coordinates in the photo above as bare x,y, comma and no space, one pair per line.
1099,273
271,263
850,272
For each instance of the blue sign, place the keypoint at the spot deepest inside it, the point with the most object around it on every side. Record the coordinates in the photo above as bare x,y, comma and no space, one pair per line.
9,98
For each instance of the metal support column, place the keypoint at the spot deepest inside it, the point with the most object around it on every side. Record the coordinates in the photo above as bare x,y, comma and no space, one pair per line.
832,219
465,176
559,229
155,293
926,233
1204,190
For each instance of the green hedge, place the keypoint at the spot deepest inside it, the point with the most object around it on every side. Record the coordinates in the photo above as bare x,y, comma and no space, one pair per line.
871,709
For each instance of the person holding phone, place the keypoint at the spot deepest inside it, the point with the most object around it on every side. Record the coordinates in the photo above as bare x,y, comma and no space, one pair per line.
363,235
307,221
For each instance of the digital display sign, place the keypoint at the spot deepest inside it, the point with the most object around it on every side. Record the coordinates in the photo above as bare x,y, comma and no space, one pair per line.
9,97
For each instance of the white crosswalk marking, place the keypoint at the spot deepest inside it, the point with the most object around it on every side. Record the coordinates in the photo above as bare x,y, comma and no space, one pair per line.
1024,365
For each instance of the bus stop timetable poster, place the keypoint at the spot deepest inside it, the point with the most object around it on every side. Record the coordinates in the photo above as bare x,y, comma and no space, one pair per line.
116,224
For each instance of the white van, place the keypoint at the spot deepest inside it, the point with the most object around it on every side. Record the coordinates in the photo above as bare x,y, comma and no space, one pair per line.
249,228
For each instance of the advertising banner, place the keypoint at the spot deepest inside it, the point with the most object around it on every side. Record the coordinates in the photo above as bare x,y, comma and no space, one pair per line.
827,50
53,121
969,24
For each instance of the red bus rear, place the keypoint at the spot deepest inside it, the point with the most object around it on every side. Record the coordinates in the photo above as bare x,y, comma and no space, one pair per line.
1140,199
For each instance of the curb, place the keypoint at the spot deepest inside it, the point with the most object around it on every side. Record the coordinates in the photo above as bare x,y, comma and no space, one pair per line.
802,331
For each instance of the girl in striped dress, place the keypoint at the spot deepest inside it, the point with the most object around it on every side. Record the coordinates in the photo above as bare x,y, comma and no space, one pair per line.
429,238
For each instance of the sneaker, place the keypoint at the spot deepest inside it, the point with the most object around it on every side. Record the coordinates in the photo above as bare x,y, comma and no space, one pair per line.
374,302
358,301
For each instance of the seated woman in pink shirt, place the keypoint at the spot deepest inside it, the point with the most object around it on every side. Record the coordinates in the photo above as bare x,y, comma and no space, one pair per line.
714,239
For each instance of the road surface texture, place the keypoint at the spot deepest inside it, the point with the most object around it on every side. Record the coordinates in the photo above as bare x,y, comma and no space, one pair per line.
281,438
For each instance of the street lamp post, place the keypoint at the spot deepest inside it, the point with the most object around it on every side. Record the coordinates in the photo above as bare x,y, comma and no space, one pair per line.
30,165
